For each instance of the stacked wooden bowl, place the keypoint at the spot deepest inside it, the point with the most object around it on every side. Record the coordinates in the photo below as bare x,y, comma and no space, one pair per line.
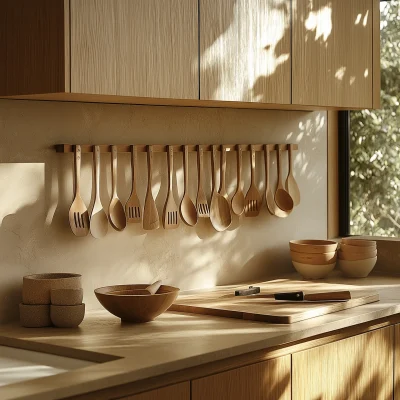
313,259
357,257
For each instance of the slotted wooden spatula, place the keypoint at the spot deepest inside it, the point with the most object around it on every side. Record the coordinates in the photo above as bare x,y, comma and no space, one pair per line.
253,197
133,209
151,219
78,213
171,211
203,209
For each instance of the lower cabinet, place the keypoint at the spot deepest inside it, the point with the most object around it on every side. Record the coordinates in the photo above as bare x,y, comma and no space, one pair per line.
180,391
262,381
397,362
359,367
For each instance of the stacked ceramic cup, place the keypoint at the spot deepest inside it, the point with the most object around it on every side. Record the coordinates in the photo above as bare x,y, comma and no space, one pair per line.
51,299
357,257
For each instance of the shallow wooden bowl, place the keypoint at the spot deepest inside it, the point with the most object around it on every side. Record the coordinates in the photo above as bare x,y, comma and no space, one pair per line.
359,242
349,249
313,246
342,255
136,308
314,258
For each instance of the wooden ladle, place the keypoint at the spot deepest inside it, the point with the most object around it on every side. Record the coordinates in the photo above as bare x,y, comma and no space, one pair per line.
98,217
187,208
282,198
149,290
116,209
238,198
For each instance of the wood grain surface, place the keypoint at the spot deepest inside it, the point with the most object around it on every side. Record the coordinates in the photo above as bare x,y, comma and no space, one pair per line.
245,51
145,48
223,303
32,47
181,391
397,362
262,381
332,53
360,367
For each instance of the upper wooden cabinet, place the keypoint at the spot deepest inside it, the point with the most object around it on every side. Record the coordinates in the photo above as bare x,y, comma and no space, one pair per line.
245,51
284,54
333,58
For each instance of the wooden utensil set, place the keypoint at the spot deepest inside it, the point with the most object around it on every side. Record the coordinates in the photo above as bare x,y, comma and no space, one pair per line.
219,209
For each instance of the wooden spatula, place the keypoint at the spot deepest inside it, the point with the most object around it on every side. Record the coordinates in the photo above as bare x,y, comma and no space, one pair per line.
203,209
187,208
291,185
171,212
98,217
151,219
133,209
78,213
253,197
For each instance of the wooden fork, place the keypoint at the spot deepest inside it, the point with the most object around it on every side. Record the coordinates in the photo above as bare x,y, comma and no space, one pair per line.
132,207
171,211
253,197
203,209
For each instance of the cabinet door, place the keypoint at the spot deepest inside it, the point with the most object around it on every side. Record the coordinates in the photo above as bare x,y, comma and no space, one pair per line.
263,381
180,391
332,53
142,48
245,51
360,367
397,363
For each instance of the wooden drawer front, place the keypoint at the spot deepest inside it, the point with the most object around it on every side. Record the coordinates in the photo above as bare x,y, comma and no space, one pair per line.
143,48
181,391
263,381
397,363
360,367
332,53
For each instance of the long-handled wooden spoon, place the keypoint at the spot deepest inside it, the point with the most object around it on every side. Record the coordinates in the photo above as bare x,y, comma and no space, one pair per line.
253,198
187,208
220,213
116,209
133,209
282,197
271,205
171,212
291,185
238,198
78,213
98,217
151,219
203,209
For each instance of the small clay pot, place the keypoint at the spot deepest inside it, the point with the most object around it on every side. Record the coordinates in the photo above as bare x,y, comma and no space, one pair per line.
66,297
67,316
36,288
34,316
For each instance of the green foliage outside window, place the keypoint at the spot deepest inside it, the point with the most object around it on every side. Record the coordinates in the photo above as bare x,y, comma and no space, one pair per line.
375,143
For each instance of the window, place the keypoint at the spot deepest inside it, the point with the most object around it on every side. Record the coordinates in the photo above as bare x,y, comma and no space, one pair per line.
373,172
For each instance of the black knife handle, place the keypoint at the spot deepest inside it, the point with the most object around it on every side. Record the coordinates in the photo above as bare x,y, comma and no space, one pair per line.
290,296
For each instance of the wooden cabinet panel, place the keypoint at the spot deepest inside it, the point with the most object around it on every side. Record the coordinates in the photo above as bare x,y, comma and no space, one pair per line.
360,367
143,48
180,391
397,363
245,51
262,381
333,53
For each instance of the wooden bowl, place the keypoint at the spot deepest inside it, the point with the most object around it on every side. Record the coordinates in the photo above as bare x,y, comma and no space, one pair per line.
314,258
136,308
67,316
313,246
342,255
357,269
349,249
36,288
309,271
359,242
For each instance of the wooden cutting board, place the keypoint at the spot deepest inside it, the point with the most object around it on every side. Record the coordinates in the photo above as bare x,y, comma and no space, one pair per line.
222,302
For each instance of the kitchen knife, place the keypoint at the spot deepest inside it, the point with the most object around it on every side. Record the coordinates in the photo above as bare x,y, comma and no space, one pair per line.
342,295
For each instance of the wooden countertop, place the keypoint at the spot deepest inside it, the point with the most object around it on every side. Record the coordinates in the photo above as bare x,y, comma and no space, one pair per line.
131,353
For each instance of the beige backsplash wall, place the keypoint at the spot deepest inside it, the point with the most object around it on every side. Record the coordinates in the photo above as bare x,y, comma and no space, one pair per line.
36,187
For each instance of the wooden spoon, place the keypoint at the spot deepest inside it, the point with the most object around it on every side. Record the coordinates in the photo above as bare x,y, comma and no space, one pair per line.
116,209
253,198
78,213
220,213
149,290
291,184
171,212
282,197
133,209
151,219
187,208
238,198
98,217
271,205
203,209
